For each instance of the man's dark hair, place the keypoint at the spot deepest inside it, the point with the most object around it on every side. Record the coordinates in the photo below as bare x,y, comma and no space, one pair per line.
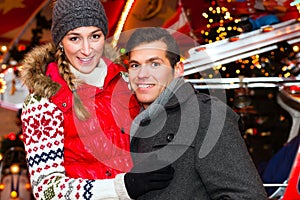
152,34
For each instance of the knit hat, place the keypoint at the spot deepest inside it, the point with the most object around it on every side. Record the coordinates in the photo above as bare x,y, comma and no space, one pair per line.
71,14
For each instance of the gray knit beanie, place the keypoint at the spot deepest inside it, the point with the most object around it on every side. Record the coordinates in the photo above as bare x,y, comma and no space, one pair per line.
71,14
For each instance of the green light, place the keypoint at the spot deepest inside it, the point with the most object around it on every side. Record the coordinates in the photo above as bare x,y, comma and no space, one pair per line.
123,50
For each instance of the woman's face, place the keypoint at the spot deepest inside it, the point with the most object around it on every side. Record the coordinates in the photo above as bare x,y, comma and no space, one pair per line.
83,47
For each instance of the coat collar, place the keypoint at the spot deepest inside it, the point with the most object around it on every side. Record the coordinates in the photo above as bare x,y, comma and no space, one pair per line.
182,95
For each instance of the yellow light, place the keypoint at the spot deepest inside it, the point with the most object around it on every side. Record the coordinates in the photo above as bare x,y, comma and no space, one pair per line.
240,30
2,86
13,194
2,186
15,168
218,67
295,48
258,66
287,75
3,48
121,22
237,20
10,70
1,156
224,9
238,71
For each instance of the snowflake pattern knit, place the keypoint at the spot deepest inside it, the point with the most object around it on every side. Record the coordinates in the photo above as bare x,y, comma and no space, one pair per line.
44,144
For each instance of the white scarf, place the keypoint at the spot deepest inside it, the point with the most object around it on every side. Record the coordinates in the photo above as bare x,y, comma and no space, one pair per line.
96,77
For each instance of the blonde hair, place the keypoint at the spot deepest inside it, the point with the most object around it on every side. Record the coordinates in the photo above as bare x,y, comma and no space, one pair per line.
64,69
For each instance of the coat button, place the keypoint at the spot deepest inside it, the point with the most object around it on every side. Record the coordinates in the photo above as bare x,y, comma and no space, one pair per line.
170,137
122,130
145,122
64,105
108,173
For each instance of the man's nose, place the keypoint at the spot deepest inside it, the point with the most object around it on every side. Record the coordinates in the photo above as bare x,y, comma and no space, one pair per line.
143,71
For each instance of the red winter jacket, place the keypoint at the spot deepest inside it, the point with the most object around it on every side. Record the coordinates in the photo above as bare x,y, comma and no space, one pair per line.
99,147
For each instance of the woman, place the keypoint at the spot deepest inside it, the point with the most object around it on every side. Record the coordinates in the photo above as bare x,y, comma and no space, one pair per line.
76,119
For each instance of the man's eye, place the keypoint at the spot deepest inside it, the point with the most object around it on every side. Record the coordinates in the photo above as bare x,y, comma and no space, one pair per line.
155,64
133,65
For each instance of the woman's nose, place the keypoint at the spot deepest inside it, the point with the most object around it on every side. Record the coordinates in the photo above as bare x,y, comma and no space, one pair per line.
86,48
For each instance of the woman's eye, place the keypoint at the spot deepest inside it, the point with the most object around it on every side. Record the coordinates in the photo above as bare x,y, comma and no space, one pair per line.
73,38
96,36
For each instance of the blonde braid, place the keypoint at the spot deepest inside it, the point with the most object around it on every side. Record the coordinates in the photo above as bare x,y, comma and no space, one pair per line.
64,70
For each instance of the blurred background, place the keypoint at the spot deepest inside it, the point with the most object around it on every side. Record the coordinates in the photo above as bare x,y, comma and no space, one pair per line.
246,52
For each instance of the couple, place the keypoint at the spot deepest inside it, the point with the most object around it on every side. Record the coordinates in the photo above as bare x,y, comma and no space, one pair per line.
87,136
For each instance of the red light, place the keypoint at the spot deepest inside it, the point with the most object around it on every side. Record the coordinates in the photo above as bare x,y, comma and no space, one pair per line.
22,47
255,131
268,29
295,89
12,136
233,39
200,49
126,62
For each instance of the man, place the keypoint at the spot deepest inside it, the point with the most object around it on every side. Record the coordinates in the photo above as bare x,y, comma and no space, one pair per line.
197,133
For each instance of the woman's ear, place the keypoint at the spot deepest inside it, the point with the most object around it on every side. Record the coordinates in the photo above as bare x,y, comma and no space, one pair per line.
178,69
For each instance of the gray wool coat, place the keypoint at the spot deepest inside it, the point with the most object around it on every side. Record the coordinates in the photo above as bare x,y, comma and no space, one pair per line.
200,136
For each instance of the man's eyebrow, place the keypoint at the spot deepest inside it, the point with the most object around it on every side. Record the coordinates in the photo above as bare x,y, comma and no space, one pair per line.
154,58
147,61
133,61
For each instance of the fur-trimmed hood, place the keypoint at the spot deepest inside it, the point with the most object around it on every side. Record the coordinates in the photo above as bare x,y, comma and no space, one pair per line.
35,65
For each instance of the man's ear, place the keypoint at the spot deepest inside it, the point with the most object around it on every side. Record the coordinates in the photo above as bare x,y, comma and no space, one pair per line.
178,69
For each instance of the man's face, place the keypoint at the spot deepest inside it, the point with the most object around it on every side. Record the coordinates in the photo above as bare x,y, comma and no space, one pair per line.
150,71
